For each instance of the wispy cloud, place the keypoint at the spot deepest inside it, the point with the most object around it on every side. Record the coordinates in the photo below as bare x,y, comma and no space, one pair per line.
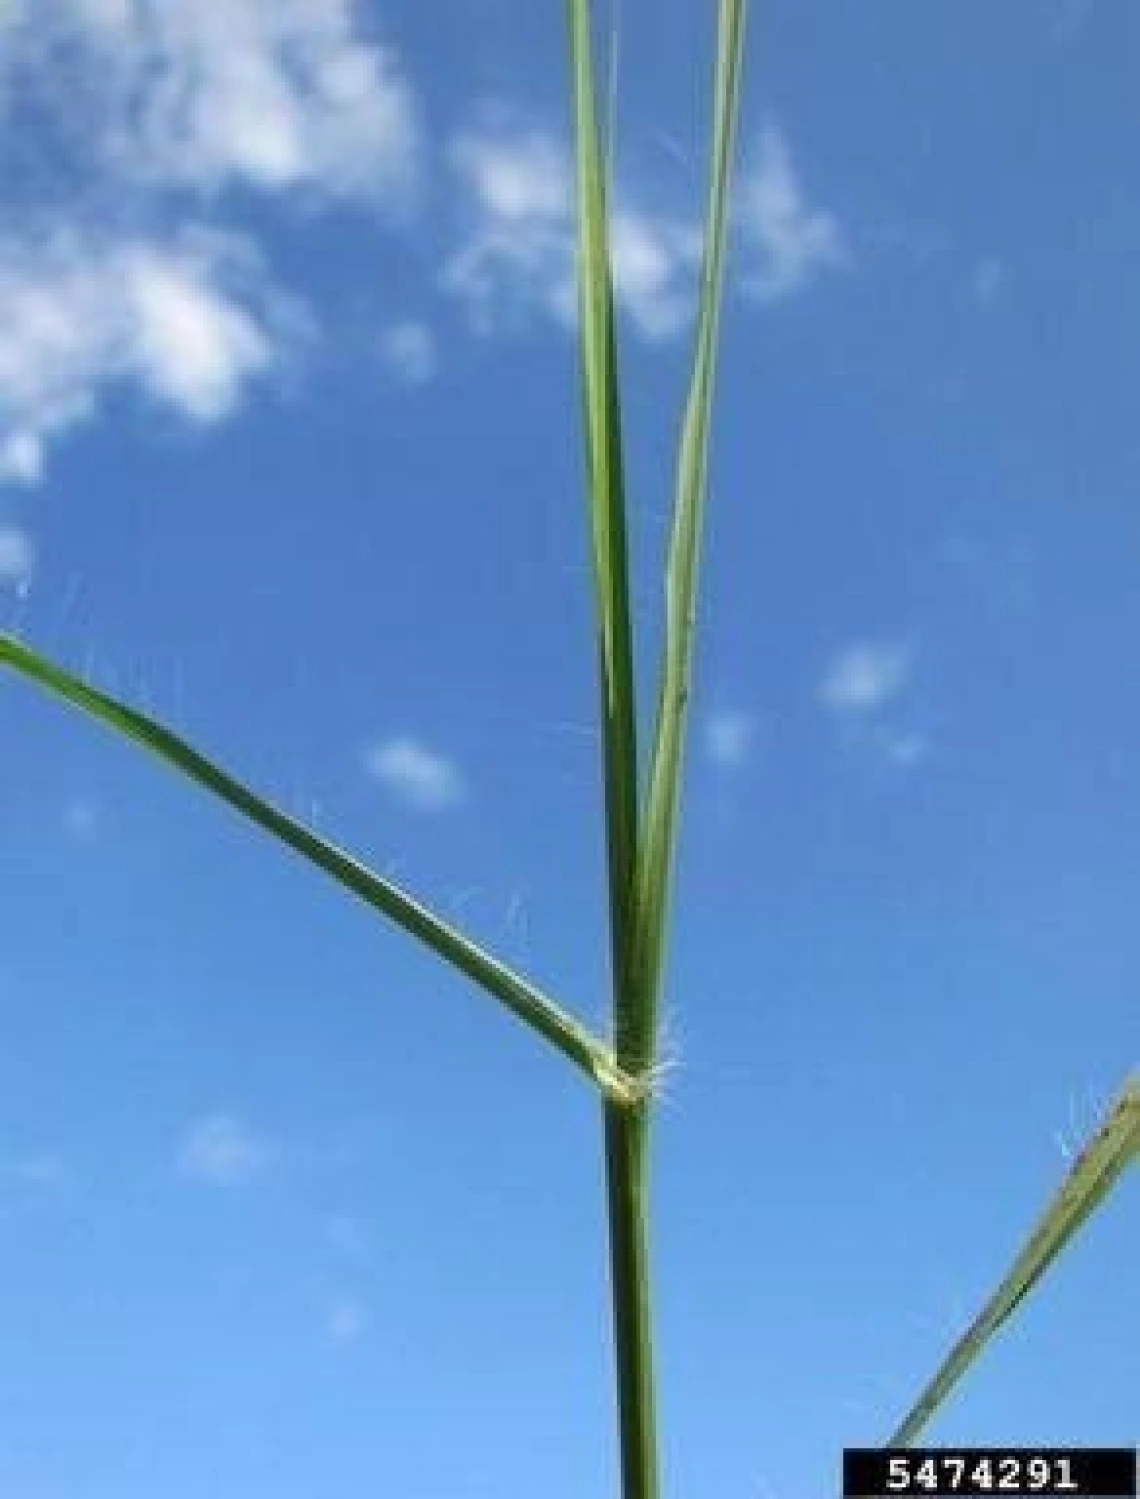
165,115
864,676
790,242
729,738
655,266
417,775
203,96
222,1149
17,556
188,323
862,687
408,348
518,255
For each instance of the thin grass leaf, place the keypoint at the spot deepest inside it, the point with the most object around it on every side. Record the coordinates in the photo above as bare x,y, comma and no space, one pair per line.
1114,1147
522,998
659,834
602,423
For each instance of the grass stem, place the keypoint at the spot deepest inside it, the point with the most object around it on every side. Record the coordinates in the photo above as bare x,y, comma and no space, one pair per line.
627,1195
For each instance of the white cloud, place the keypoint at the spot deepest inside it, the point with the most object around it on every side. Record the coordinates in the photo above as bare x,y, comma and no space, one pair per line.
221,1148
195,347
793,243
150,111
272,94
21,455
655,265
520,253
521,180
728,738
409,350
346,1321
189,323
518,258
419,776
864,676
17,556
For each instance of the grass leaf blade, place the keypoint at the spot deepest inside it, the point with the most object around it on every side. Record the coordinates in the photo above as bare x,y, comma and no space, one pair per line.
1114,1147
602,422
523,999
659,835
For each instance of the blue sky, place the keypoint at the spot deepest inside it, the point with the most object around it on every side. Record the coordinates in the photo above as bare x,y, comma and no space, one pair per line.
288,454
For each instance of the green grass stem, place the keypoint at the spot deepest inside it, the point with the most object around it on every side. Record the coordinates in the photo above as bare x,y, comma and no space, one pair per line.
639,859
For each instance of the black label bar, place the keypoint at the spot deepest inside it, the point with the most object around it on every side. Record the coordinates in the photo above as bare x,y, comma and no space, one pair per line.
1052,1472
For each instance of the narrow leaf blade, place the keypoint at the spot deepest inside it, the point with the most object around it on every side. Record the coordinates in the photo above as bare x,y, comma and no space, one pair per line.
519,996
1112,1149
608,526
659,834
